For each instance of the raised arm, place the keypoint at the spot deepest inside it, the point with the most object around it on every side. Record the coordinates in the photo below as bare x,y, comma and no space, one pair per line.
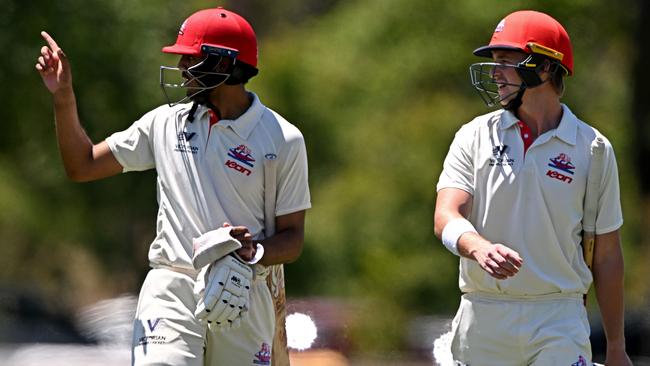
83,160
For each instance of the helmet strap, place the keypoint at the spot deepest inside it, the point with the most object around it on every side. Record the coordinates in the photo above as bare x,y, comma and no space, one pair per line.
214,108
241,73
222,67
514,103
190,116
202,98
528,71
530,68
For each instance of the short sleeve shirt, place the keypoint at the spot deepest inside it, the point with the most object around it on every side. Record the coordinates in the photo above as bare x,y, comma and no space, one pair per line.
211,172
531,200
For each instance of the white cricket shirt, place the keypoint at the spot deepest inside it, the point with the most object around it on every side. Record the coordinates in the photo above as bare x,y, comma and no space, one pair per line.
531,202
210,173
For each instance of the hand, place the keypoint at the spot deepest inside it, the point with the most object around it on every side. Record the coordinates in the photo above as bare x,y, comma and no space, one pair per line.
498,260
53,66
241,233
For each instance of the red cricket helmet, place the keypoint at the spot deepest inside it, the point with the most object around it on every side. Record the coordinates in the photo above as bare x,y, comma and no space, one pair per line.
531,32
216,27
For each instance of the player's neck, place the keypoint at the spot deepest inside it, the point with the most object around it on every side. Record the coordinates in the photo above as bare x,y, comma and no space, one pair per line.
231,100
542,113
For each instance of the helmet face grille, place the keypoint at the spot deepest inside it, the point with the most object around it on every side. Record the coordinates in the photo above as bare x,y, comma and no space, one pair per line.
180,85
483,80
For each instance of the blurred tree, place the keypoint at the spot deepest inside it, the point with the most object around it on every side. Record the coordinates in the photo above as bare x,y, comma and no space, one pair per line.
640,128
378,87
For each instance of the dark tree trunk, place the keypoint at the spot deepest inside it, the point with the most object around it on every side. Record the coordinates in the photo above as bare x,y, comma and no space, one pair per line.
641,97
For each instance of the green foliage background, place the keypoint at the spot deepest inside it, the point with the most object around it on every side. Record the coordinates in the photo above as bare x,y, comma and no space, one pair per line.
378,88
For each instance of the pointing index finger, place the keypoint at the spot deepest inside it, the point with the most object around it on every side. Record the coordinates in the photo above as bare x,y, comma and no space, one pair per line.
50,41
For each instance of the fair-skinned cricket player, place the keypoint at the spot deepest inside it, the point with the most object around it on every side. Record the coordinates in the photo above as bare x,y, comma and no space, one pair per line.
205,300
510,204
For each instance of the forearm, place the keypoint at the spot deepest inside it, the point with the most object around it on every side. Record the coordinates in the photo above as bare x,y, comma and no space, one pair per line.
75,146
470,244
608,283
283,247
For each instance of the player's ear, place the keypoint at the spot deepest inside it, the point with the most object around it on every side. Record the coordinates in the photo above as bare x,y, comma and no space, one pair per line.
546,65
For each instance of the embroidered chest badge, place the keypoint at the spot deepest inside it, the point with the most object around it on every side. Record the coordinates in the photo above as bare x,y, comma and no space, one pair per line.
183,145
241,155
563,163
500,156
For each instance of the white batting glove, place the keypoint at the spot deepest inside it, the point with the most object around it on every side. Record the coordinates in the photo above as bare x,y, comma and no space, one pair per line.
223,289
212,246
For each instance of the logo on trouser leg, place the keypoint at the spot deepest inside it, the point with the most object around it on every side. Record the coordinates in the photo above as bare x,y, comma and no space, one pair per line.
263,356
153,336
581,362
152,323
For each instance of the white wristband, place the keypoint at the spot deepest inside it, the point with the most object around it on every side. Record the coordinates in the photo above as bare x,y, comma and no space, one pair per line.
452,232
258,254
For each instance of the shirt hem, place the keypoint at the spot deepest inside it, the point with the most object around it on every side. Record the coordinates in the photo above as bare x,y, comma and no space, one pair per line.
287,211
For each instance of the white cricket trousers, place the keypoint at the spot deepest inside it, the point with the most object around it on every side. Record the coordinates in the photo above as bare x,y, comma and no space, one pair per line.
495,330
165,331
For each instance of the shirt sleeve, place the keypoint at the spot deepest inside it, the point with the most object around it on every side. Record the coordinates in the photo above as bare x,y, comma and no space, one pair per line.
458,167
133,147
610,216
293,186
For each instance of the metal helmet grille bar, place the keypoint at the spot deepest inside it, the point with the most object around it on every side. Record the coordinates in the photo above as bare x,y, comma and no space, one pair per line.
193,91
212,71
482,78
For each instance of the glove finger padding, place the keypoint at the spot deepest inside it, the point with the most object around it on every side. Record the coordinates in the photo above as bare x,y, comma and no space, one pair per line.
226,296
199,291
215,286
242,307
224,308
208,288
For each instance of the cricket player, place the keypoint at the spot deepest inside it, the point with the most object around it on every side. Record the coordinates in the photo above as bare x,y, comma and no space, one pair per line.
510,205
209,151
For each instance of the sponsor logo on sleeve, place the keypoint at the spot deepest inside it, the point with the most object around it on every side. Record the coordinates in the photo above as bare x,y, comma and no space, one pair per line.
152,332
153,323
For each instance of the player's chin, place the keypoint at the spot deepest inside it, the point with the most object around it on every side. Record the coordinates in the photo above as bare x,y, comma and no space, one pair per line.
505,97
